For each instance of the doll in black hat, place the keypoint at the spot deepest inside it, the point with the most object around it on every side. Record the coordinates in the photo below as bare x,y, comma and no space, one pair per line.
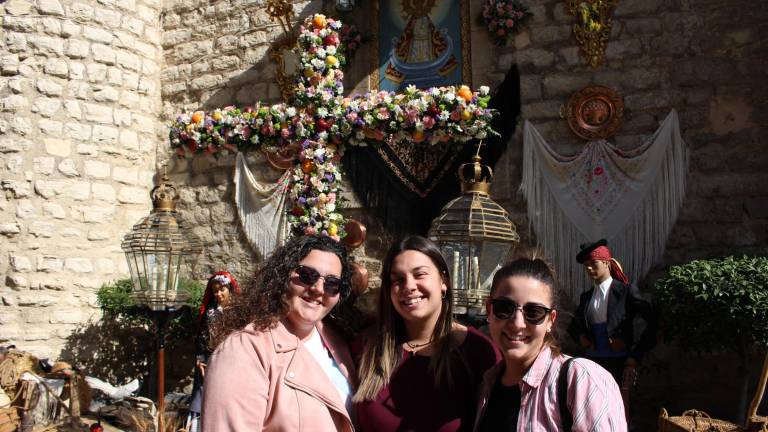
604,320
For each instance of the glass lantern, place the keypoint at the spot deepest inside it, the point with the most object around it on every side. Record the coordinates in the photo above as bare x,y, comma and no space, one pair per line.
475,236
159,250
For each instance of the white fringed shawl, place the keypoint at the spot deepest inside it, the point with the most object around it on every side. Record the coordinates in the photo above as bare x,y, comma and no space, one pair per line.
631,198
261,208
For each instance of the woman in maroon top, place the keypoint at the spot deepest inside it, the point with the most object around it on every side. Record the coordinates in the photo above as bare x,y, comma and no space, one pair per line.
419,371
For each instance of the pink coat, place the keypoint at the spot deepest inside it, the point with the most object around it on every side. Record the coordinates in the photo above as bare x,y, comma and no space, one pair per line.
269,381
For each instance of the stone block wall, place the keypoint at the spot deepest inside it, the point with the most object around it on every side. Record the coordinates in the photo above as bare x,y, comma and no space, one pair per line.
703,58
79,129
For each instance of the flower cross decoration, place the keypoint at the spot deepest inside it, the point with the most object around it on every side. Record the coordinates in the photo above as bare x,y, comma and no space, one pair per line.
321,123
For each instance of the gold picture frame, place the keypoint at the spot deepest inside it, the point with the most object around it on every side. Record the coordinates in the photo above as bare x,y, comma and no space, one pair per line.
445,22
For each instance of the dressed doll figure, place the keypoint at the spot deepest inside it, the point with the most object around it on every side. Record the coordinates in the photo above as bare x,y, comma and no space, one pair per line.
217,297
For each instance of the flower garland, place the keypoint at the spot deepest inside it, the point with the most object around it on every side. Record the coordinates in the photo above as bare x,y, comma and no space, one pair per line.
324,122
502,17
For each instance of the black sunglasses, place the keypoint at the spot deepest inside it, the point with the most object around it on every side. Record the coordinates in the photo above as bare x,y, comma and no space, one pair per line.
533,313
310,276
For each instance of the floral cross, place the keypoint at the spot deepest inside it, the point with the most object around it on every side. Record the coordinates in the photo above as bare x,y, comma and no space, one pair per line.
324,122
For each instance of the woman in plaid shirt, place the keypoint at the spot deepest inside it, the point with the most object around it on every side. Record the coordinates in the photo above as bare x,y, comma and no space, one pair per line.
521,393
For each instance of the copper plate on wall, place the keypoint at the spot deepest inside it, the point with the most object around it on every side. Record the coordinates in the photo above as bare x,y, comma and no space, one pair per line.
356,233
284,158
595,112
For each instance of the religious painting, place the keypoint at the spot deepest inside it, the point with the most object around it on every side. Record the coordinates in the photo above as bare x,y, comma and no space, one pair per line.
420,42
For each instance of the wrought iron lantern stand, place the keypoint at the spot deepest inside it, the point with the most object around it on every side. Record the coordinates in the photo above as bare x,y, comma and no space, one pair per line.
475,236
159,249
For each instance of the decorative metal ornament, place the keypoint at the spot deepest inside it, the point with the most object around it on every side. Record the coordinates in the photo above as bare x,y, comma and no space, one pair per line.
593,27
283,52
284,158
594,112
282,12
475,236
345,5
356,233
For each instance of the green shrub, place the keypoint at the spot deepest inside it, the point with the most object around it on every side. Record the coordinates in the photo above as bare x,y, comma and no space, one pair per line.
717,303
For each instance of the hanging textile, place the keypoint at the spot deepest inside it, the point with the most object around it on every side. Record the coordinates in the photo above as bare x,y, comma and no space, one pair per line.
261,208
405,186
630,197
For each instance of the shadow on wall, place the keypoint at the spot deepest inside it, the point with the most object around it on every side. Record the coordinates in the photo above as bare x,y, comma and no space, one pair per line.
119,350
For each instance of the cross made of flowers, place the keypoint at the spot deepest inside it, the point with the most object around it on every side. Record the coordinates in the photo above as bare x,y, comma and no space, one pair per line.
322,122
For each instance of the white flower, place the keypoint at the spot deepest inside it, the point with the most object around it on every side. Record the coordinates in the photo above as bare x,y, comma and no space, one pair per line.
419,126
444,115
317,63
481,135
449,97
331,50
320,53
484,90
322,112
330,207
290,111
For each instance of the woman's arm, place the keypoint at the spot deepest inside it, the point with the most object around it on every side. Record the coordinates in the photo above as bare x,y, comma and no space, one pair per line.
236,387
594,399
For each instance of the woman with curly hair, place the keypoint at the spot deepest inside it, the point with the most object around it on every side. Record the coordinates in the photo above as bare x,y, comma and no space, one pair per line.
217,297
279,366
420,370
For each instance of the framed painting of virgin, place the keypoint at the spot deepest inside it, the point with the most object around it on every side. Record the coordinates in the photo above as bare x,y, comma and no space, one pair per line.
420,42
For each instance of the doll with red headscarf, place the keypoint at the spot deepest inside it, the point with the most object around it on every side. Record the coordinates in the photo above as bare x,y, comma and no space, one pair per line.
217,297
604,320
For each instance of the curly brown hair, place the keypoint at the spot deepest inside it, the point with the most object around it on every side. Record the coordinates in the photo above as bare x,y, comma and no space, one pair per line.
265,300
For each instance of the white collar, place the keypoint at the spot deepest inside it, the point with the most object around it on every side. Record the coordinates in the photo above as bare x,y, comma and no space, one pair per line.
605,286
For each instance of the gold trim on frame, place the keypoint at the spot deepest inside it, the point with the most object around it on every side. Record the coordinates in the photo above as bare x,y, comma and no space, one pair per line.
466,44
276,52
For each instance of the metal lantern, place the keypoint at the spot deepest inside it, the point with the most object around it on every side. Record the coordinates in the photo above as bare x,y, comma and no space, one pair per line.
159,250
475,236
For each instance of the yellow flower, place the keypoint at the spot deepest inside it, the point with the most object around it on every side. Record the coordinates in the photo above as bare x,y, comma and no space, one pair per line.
333,229
466,115
217,116
331,60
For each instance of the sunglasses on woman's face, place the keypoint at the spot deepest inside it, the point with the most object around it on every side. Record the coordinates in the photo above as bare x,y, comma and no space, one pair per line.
533,313
309,276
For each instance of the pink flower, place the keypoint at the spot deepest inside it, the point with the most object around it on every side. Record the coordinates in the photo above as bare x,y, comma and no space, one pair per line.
429,122
599,170
455,115
332,197
351,116
285,133
510,23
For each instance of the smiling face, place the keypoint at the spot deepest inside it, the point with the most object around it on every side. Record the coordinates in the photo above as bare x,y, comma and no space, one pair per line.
518,340
598,270
221,293
416,288
309,303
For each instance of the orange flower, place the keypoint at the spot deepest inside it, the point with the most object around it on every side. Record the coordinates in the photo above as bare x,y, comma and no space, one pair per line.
465,93
307,166
319,21
198,117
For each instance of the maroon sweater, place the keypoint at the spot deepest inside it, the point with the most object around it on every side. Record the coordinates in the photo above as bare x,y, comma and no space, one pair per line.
411,402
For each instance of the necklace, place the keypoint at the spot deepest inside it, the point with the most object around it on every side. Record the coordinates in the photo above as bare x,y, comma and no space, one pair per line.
415,346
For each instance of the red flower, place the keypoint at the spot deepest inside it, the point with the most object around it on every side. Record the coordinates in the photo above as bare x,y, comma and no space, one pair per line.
599,170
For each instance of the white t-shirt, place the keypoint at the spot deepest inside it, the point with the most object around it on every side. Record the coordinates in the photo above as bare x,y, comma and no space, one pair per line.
329,366
598,307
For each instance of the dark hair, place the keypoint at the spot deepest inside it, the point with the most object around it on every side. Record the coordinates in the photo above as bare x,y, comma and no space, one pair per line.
541,271
265,301
382,354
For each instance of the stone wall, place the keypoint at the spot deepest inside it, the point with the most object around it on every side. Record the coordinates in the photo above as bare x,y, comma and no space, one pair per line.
79,129
706,59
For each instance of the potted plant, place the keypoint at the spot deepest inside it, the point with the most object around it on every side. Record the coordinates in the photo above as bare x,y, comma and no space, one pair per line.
716,304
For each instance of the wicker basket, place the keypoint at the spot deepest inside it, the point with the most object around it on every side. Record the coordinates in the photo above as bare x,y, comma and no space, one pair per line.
9,419
695,421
